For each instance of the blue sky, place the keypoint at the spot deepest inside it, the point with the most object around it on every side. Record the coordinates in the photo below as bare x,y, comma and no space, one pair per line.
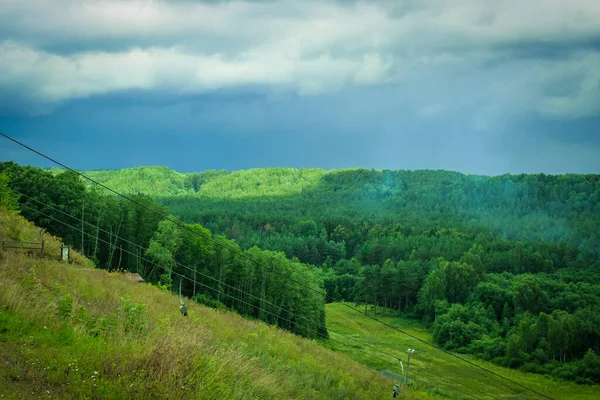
476,86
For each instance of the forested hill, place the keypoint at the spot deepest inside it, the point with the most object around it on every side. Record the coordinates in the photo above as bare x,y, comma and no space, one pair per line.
520,207
506,268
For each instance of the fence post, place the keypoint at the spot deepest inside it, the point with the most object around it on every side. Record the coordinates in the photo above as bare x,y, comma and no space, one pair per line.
42,242
64,250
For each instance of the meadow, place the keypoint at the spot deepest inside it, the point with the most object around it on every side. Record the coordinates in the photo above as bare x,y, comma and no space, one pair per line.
434,370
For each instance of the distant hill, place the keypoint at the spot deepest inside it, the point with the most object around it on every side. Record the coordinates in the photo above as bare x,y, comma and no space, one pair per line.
163,181
523,207
145,180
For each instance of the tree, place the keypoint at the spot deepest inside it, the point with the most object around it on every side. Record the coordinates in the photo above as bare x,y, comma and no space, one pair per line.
386,282
474,258
591,365
451,281
405,282
561,334
492,294
529,296
371,275
163,247
306,228
8,199
459,325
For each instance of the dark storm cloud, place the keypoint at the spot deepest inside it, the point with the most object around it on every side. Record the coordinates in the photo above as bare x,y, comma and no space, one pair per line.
230,132
583,131
414,84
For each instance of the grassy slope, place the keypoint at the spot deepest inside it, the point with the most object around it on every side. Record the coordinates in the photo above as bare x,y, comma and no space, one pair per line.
429,364
47,344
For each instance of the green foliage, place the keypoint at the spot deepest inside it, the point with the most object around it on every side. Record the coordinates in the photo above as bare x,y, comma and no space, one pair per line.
254,289
65,306
590,369
259,182
106,326
134,317
64,302
458,326
450,281
507,247
8,199
529,296
505,268
162,181
209,302
147,180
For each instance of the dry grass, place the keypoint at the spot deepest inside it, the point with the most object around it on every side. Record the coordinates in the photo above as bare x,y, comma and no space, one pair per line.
64,334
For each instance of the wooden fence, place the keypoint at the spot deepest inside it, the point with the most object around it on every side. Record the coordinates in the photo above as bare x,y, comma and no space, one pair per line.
20,245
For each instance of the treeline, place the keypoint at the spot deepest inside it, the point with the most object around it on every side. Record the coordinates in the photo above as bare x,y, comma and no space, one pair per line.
253,283
537,322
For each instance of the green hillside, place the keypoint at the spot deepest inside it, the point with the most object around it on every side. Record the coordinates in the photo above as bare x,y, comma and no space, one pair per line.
147,180
162,181
73,331
549,207
523,207
504,269
446,375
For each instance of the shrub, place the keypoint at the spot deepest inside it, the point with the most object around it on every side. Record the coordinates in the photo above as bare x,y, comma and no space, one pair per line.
133,316
209,302
567,371
65,306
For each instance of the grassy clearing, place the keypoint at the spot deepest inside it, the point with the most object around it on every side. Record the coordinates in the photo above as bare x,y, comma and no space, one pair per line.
434,369
75,332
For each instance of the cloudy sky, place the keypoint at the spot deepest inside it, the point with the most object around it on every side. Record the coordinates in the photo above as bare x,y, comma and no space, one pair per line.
476,86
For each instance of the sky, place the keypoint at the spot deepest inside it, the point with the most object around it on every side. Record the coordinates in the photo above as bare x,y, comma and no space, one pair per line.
476,86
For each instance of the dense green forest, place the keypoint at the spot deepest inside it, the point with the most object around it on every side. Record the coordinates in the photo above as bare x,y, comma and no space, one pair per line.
119,235
506,268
